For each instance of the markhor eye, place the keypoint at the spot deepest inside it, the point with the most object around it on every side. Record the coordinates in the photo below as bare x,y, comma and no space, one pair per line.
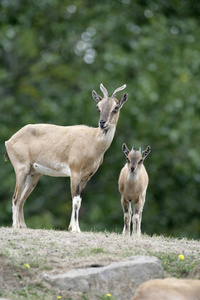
97,108
128,161
141,161
116,108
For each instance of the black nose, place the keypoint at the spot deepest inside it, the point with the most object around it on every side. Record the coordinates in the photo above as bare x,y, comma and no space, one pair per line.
102,123
132,169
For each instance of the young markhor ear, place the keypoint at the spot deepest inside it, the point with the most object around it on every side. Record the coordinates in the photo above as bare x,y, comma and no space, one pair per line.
125,149
146,152
95,96
123,99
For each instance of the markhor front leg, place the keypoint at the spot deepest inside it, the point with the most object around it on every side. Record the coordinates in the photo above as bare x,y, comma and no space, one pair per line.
74,223
77,187
137,215
126,205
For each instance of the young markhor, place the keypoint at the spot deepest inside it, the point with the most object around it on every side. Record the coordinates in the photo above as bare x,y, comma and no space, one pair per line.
133,182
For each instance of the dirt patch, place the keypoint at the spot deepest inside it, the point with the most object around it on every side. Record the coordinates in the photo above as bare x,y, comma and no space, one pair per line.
49,251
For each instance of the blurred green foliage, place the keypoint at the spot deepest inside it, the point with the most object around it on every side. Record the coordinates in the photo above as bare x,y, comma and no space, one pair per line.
54,53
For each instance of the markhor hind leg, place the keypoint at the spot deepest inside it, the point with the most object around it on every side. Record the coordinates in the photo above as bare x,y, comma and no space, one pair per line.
25,183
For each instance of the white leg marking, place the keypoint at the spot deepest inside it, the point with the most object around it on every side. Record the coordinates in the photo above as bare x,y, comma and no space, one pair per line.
18,217
136,224
127,218
15,215
76,204
127,223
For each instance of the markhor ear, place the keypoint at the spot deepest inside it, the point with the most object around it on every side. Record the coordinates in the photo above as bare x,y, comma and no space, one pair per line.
123,99
146,152
125,149
95,96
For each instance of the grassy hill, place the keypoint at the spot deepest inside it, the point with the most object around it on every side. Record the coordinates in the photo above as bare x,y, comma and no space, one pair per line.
27,253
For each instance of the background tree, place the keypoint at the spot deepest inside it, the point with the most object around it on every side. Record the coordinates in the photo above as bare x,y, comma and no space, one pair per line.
54,53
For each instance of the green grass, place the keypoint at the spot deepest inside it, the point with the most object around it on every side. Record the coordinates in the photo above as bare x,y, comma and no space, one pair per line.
176,267
91,251
43,255
100,297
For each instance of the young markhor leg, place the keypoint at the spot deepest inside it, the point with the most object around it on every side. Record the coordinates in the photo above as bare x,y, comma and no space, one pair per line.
126,205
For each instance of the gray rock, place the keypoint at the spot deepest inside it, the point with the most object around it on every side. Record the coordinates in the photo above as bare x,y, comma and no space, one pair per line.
120,279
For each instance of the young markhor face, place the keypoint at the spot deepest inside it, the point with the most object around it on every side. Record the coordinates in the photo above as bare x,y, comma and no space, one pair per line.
135,158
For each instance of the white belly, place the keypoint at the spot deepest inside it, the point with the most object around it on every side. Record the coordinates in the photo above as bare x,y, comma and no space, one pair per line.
60,170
